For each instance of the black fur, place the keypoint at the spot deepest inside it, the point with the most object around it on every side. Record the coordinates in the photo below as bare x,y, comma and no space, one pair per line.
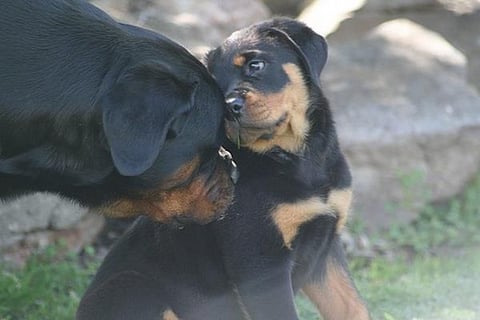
240,264
96,110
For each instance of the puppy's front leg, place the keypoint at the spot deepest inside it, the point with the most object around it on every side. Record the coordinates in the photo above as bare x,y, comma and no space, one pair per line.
332,289
268,296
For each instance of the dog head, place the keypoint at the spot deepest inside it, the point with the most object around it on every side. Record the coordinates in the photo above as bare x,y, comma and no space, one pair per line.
267,73
164,131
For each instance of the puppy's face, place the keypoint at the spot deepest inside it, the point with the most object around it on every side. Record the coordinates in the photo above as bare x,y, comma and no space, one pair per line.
266,78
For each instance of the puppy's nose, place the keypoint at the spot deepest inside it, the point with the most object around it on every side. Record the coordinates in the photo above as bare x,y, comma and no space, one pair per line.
235,104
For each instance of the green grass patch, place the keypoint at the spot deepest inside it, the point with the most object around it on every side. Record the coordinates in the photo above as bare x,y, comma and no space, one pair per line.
427,288
445,287
438,279
454,224
48,287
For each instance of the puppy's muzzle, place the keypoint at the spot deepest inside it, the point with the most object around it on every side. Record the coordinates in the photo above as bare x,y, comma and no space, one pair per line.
235,104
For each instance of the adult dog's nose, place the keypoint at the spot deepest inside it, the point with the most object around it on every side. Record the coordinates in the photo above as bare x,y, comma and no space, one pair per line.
235,103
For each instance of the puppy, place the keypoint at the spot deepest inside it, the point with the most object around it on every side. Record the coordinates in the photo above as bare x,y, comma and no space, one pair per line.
281,234
117,117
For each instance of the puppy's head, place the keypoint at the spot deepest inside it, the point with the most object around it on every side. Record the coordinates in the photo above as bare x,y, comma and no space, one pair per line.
267,73
164,126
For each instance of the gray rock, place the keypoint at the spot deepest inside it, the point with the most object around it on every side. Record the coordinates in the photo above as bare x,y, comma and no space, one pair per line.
461,30
407,119
461,6
74,238
195,24
289,8
35,212
457,6
391,5
325,16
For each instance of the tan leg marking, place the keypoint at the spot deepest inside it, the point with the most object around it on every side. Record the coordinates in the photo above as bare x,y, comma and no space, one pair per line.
340,200
169,315
336,298
289,217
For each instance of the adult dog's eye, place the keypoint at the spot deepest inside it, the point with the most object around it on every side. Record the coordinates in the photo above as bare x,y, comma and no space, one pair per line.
255,66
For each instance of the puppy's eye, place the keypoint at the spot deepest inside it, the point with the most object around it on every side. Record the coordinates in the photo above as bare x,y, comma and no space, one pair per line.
255,66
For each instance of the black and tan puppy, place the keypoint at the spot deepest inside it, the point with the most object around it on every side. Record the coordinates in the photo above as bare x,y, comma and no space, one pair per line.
111,115
281,235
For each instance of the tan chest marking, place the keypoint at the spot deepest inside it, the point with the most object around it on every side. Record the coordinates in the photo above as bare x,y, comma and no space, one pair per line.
293,100
289,217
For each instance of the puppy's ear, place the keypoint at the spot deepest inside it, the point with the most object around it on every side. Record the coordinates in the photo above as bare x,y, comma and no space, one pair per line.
138,112
312,47
209,59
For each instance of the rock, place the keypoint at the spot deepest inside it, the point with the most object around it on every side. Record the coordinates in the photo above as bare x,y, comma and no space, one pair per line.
325,16
461,6
195,24
456,6
407,119
36,212
289,8
74,239
461,30
398,5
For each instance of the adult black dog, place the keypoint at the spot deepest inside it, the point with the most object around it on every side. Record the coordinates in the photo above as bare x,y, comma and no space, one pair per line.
111,115
281,234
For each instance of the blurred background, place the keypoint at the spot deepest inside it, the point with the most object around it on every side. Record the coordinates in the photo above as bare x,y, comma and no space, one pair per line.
403,79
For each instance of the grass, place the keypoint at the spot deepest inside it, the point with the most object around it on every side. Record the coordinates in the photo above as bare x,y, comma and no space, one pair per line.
427,288
455,223
48,287
439,281
435,271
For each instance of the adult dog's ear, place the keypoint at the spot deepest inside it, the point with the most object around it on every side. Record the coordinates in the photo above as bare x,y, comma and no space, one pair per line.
311,46
138,112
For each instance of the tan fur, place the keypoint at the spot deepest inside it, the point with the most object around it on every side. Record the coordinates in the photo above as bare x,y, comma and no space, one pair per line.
196,199
340,200
182,174
294,101
264,111
289,217
169,315
336,297
239,60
